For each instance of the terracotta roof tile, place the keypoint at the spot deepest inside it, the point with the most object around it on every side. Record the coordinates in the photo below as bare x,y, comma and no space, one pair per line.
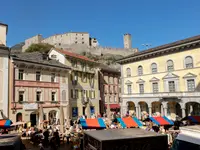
71,54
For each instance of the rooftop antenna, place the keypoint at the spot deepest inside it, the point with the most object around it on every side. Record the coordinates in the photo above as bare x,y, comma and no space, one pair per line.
147,46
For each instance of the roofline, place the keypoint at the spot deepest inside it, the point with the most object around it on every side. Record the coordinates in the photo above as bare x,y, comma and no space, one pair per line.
6,27
185,43
18,59
71,56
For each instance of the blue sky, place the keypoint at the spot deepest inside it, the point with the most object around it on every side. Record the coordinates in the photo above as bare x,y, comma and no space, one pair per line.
149,21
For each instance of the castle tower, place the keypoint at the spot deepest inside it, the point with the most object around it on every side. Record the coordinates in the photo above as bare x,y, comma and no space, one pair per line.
127,41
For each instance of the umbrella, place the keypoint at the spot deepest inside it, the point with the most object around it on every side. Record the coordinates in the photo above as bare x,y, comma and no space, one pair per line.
61,119
87,110
18,123
68,116
41,116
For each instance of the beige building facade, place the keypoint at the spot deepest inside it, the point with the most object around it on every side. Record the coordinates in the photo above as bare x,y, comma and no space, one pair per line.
4,73
3,33
37,83
164,80
83,83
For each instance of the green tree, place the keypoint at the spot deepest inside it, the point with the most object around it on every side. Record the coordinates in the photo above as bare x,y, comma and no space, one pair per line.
41,47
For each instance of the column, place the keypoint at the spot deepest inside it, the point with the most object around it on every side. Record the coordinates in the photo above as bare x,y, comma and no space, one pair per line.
164,104
137,111
150,111
161,107
183,112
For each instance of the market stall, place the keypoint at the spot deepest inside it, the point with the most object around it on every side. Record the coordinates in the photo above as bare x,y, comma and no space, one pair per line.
5,123
193,119
92,123
161,121
129,122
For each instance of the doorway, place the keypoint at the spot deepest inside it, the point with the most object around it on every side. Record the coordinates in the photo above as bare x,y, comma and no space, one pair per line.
33,119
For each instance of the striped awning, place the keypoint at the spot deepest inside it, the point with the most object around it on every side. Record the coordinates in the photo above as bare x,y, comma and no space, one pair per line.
5,123
194,119
92,123
161,121
129,122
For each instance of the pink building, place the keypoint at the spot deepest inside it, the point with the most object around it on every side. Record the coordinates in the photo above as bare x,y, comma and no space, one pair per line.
37,82
109,88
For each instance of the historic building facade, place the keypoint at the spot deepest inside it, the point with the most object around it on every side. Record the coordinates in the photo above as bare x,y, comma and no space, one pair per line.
4,73
164,80
36,83
109,88
83,83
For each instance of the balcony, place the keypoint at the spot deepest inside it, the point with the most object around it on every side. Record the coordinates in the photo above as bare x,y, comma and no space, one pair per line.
25,83
163,95
85,69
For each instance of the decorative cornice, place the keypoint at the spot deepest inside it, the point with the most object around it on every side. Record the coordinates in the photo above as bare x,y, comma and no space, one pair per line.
154,79
170,75
128,82
140,81
162,50
190,75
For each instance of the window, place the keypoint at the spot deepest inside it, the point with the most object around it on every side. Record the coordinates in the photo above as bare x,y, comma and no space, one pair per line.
38,76
128,72
154,68
170,65
92,94
155,87
188,62
74,63
191,85
171,86
84,93
21,96
76,93
84,67
38,96
110,80
140,70
115,99
53,96
141,88
84,77
21,74
53,77
82,42
110,99
92,81
129,89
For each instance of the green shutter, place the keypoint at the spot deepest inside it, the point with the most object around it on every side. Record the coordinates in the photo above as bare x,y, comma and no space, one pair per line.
71,93
90,94
94,94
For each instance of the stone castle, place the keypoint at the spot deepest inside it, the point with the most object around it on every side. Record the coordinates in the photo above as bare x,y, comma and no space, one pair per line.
79,42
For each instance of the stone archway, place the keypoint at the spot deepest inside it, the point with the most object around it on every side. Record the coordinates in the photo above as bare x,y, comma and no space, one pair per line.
52,117
156,108
143,110
192,109
174,110
18,117
34,118
131,108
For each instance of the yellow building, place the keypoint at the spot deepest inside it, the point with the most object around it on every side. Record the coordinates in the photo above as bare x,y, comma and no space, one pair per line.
164,80
83,83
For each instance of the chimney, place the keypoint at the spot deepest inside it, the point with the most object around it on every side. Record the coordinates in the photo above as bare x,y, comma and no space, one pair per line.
45,56
3,33
127,41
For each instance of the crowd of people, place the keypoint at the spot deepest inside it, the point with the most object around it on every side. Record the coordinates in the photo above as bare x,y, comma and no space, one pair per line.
52,135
